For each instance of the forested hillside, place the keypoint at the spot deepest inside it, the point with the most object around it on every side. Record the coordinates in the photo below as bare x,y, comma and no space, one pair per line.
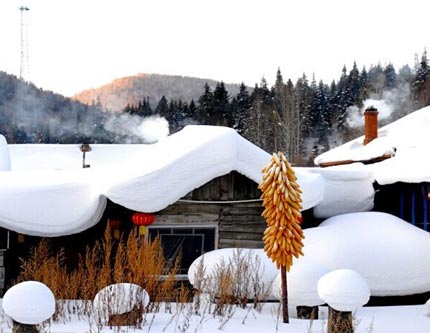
131,90
302,118
29,115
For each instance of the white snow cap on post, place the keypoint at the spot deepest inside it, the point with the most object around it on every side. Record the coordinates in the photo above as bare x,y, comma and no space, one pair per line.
344,290
29,302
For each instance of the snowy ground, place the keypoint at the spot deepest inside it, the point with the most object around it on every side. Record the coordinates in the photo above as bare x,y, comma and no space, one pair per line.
400,319
391,266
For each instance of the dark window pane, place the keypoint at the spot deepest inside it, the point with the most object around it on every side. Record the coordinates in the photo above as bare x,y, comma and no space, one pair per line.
188,246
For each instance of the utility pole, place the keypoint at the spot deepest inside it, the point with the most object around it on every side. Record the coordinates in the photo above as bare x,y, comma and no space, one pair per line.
23,69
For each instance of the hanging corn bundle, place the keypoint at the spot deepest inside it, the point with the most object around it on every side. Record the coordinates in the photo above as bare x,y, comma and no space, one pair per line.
282,204
281,200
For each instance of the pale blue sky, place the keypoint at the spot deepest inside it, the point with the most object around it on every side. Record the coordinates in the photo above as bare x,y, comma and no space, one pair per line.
79,44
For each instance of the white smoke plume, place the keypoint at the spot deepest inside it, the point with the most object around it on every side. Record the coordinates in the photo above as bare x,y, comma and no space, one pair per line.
388,103
149,130
153,129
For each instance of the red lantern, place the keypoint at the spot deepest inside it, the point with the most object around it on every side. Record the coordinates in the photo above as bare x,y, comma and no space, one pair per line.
142,220
114,225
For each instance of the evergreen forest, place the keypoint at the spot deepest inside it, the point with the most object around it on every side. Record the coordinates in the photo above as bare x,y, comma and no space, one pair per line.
302,118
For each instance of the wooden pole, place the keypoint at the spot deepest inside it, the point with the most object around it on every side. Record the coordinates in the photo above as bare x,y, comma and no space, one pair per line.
284,297
23,328
339,322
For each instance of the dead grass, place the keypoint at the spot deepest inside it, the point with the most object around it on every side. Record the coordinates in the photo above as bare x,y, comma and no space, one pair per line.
132,260
238,281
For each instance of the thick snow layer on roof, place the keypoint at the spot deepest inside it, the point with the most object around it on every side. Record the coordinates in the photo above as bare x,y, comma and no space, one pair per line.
391,254
347,189
406,138
48,193
4,154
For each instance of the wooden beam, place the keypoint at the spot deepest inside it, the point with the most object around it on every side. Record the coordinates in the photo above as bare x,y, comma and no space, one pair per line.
368,161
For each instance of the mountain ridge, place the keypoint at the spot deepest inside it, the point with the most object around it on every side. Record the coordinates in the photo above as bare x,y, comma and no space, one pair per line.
115,96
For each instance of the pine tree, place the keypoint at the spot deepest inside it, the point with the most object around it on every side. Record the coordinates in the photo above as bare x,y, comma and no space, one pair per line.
390,77
304,99
162,107
421,83
287,119
191,112
377,80
260,123
241,110
220,115
364,86
205,106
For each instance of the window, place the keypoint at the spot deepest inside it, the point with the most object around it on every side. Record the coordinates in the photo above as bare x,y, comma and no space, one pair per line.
410,202
190,243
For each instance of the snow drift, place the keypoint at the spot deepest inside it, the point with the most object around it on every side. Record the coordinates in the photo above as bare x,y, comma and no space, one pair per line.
389,253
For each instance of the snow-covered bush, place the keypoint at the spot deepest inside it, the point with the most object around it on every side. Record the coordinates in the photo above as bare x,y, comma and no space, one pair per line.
233,275
29,302
117,299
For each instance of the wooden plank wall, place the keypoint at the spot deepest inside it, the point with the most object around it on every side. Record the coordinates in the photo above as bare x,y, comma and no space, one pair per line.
239,224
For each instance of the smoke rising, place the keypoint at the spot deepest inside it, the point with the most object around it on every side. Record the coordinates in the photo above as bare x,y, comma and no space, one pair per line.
148,130
390,104
31,115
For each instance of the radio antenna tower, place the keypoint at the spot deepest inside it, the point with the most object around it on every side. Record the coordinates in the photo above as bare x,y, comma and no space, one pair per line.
24,66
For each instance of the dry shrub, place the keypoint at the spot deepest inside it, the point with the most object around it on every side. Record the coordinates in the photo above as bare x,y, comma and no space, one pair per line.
132,260
238,281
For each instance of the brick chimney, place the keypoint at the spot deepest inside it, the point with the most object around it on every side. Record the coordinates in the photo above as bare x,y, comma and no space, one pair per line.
370,124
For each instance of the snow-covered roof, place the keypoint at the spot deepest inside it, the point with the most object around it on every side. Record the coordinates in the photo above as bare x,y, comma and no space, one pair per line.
405,140
45,191
391,254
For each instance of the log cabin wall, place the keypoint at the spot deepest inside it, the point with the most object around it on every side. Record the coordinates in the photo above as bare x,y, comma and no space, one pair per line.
241,225
230,204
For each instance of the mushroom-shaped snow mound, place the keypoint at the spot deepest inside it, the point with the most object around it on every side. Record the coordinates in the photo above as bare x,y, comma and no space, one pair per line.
251,266
387,251
119,298
29,302
344,290
302,284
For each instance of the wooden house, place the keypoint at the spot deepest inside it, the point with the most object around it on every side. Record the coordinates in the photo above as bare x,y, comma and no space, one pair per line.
199,185
397,156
